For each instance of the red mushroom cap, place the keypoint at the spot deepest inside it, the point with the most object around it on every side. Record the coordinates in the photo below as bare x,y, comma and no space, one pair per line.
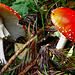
11,19
5,8
64,20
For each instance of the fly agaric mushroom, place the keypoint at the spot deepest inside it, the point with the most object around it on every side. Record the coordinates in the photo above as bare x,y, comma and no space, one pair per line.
8,27
64,20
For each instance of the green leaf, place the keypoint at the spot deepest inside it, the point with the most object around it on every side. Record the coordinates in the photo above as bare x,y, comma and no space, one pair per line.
23,6
18,1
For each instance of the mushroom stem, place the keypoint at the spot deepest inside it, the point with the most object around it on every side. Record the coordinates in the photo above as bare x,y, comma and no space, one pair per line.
2,57
61,43
3,34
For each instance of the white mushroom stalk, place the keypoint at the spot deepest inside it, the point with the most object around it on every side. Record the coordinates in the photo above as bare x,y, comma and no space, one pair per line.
3,34
62,41
8,26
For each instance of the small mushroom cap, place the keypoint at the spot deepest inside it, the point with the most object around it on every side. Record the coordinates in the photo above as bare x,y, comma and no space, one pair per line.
64,20
10,20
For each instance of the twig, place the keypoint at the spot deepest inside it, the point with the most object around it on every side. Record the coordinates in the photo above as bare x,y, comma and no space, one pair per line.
38,72
15,55
19,51
27,68
13,68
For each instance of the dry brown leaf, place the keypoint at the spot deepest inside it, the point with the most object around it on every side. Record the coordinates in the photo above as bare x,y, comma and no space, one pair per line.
17,47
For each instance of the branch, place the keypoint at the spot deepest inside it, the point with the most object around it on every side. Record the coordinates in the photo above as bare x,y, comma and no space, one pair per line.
15,55
27,68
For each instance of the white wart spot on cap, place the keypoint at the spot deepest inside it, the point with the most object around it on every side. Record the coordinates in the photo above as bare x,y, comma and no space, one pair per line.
59,27
62,27
10,10
15,12
20,15
65,31
69,30
62,31
70,37
69,34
